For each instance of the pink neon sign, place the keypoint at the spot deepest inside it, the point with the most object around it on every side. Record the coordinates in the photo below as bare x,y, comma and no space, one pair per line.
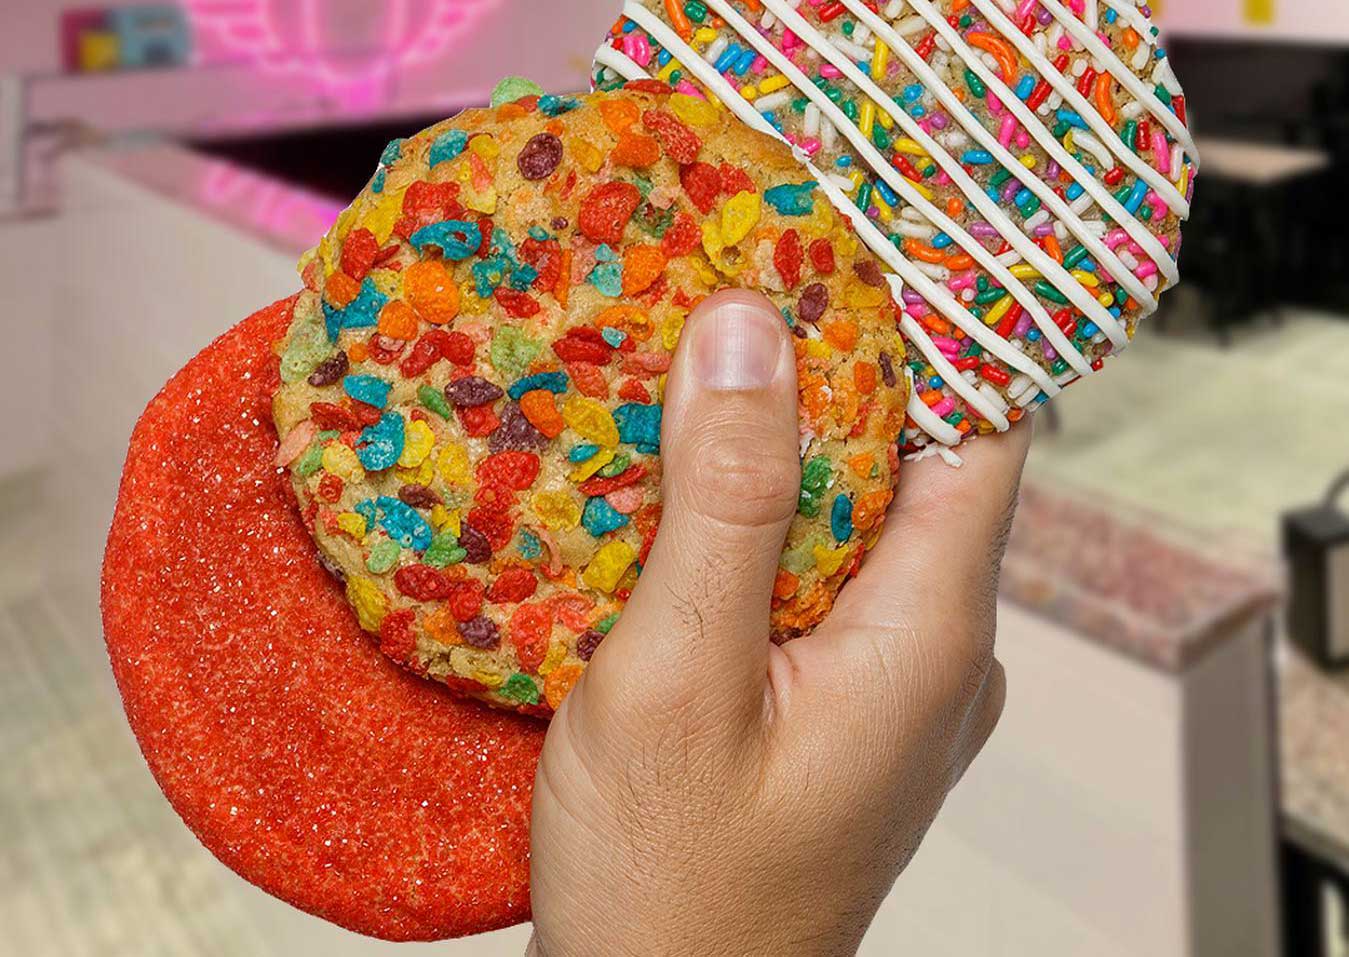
352,47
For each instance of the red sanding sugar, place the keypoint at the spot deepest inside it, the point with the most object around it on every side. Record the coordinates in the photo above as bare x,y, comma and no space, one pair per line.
297,752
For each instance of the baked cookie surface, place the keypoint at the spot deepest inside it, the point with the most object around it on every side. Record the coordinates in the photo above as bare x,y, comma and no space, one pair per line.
1023,165
470,405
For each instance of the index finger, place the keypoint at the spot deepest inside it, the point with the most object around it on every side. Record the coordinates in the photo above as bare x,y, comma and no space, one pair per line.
929,587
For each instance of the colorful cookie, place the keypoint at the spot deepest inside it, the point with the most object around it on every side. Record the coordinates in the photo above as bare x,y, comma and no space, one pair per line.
470,405
1022,165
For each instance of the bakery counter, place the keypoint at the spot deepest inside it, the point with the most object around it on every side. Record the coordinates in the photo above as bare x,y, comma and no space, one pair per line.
1126,805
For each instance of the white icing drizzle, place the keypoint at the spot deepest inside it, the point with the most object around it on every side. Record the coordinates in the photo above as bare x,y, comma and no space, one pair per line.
1085,109
620,63
707,73
990,210
930,422
1125,77
935,295
1051,146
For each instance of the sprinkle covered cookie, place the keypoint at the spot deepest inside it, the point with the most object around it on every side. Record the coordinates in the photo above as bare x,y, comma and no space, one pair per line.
470,398
1022,165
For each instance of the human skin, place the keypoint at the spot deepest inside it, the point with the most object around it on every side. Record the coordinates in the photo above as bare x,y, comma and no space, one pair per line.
703,791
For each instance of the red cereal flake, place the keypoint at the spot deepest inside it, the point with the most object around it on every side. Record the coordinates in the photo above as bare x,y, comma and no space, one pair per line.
529,629
465,599
599,485
327,415
682,238
458,348
422,582
236,735
703,184
498,526
519,305
633,391
589,379
681,143
330,487
583,344
513,470
359,250
478,420
605,212
822,256
395,635
788,257
735,180
546,257
648,86
513,584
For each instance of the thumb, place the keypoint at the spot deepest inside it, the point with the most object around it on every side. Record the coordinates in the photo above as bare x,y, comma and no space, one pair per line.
697,621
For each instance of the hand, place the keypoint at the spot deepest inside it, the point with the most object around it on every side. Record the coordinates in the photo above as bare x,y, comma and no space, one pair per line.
703,791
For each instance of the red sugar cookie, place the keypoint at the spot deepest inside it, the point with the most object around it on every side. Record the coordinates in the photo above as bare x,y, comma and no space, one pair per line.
299,755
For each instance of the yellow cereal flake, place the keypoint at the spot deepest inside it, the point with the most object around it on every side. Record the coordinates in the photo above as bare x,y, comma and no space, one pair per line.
370,604
559,510
608,565
352,524
386,212
341,461
859,295
421,475
693,111
418,440
740,214
453,464
590,158
671,327
557,653
591,420
485,146
591,465
830,560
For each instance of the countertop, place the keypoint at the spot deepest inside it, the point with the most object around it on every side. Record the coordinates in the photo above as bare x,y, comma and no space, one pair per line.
1314,782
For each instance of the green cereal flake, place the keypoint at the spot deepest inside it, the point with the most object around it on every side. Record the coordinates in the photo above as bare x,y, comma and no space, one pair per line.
520,688
311,461
308,347
800,559
607,623
444,550
383,556
512,351
434,400
815,479
514,88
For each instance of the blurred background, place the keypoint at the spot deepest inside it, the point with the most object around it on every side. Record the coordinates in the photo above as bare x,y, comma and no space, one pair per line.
1172,773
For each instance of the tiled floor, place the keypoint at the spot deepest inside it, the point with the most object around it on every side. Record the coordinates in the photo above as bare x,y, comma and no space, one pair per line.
92,860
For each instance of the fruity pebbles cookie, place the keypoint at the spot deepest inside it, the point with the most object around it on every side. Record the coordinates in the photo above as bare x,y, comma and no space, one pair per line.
470,405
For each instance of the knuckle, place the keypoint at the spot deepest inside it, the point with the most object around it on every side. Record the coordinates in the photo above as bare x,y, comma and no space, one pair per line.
741,479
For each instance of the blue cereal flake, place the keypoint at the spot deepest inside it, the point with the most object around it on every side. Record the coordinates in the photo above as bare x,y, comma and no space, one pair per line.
791,200
370,389
615,337
640,425
456,238
391,153
361,313
582,453
377,183
554,382
552,105
381,444
607,276
447,146
530,547
399,520
840,518
600,518
488,275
